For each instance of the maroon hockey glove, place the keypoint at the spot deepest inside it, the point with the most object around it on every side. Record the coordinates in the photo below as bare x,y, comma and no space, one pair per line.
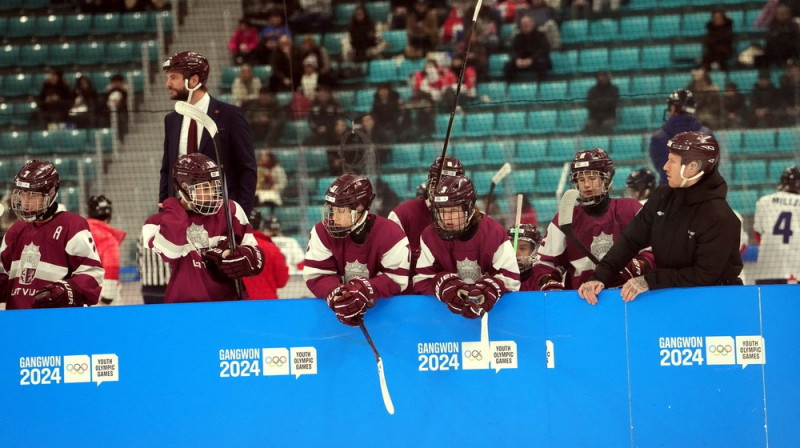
483,295
334,295
55,295
451,290
245,261
636,268
549,283
350,307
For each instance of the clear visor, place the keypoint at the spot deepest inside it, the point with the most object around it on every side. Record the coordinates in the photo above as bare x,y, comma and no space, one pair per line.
30,205
339,221
526,255
206,197
592,185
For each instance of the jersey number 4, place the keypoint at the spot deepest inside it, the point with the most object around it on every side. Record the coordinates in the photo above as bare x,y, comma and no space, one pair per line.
783,226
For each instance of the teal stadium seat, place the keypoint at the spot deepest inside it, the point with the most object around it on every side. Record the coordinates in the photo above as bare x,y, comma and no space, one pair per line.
694,23
165,19
135,22
408,67
788,140
15,142
74,141
332,42
71,169
524,181
471,154
530,151
442,122
77,25
497,61
750,172
6,112
635,118
263,72
103,137
364,100
547,180
665,26
20,84
21,26
562,149
347,99
759,141
299,38
322,185
45,142
595,141
404,156
776,168
479,124
62,54
383,70
552,91
378,10
578,88
91,53
656,57
396,40
743,201
121,52
229,74
674,81
317,159
150,49
744,79
546,209
646,87
687,53
643,5
3,24
36,4
523,93
482,180
507,31
730,142
541,122
737,16
603,30
33,55
288,159
430,151
574,31
620,176
572,120
104,24
634,28
49,25
629,147
494,90
25,113
10,5
342,13
625,58
295,131
398,182
592,60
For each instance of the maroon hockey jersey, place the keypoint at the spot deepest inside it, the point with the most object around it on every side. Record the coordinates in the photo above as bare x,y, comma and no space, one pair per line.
597,233
382,258
488,252
412,216
182,238
35,255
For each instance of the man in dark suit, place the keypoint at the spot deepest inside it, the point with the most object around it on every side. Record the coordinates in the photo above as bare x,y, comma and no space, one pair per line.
187,73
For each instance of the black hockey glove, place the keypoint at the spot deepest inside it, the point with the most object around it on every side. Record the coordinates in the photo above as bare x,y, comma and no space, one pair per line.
451,290
55,295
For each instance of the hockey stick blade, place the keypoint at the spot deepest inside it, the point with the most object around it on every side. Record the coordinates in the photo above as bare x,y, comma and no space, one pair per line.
566,207
187,110
387,399
504,171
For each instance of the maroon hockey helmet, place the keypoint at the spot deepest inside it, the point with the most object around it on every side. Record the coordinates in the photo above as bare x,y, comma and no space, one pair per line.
188,63
348,191
35,190
790,180
197,180
695,146
530,233
453,191
593,160
452,166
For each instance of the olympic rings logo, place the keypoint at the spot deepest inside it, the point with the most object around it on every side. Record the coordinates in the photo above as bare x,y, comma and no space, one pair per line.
275,361
77,368
720,350
474,355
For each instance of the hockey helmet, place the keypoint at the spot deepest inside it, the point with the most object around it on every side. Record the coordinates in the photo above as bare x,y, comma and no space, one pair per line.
197,180
35,190
458,192
592,162
340,214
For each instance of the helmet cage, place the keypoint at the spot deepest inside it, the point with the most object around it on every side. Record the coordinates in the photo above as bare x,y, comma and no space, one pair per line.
204,197
197,179
31,205
593,162
454,191
340,221
529,233
348,191
35,190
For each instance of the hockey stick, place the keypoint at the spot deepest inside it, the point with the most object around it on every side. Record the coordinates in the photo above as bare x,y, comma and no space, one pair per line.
387,399
501,173
458,89
517,219
565,210
187,110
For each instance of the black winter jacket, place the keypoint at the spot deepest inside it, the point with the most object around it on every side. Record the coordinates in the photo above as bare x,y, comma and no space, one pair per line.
693,233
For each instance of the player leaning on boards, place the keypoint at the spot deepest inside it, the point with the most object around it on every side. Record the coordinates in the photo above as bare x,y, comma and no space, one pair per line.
48,255
528,242
466,260
354,257
190,234
693,232
777,233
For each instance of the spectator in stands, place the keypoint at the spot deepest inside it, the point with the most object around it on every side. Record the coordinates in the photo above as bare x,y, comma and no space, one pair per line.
55,99
420,115
783,39
469,86
266,118
735,106
322,118
530,52
579,9
487,28
680,118
309,47
310,78
601,101
597,6
275,275
270,36
388,111
762,102
692,230
453,26
510,10
790,92
285,76
272,181
707,95
246,86
314,16
117,100
289,247
431,81
378,135
243,43
422,30
718,41
83,112
398,16
362,35
546,19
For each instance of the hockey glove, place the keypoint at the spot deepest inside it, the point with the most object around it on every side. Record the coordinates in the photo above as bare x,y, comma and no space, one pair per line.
5,283
483,295
452,291
636,268
245,261
55,295
358,295
549,283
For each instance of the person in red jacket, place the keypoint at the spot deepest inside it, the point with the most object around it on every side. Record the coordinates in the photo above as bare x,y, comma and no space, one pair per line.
107,240
275,274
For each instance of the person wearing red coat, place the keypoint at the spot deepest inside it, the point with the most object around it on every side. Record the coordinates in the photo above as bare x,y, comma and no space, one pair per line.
107,240
275,274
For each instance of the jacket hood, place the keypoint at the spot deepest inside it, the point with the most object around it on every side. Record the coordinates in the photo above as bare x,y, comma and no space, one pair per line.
710,187
105,229
681,123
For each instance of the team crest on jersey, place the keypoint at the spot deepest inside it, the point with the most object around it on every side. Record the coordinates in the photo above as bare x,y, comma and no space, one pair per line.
601,244
468,270
197,236
355,269
29,262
